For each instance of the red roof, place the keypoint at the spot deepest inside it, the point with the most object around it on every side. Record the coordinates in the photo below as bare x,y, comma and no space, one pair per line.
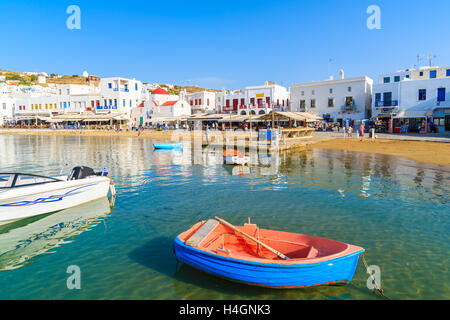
159,91
169,103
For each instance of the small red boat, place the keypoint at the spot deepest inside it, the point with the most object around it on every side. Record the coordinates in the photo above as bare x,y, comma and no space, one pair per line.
235,157
268,258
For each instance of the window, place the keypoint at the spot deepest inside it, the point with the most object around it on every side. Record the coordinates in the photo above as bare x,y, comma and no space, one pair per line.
421,73
441,94
407,76
313,92
331,90
135,86
422,94
433,74
252,101
387,79
303,93
348,101
349,89
439,121
448,73
200,101
330,102
397,79
110,85
242,102
313,103
207,102
302,104
387,99
377,97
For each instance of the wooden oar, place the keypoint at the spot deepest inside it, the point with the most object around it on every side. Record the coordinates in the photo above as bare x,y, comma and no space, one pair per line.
282,256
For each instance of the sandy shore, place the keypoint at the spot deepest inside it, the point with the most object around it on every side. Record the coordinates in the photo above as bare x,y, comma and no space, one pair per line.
422,151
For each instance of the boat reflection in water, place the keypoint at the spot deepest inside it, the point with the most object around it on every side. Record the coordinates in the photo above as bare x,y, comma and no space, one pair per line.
164,156
237,170
28,238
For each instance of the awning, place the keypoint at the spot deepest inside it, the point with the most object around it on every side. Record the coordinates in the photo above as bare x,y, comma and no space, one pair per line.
283,116
167,119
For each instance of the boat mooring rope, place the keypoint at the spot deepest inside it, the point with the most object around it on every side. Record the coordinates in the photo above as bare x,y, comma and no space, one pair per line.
378,287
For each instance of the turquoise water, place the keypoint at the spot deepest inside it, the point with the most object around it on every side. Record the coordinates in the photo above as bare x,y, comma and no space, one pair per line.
397,209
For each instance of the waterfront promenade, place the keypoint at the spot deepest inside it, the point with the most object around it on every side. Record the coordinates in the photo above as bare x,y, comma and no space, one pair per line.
429,148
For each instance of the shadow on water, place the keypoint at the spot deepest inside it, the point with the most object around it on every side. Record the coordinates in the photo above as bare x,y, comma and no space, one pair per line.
157,254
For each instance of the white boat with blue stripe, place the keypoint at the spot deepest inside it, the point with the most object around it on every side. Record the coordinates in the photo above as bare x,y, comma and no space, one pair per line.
24,195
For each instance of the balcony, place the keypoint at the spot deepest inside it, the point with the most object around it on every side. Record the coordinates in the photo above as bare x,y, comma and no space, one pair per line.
348,109
384,104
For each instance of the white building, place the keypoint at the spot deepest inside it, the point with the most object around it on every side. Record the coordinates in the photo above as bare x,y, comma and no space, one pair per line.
161,104
7,109
254,100
335,100
202,102
413,96
120,95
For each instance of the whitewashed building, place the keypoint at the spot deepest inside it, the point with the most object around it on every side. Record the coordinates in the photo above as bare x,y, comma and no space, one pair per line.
254,100
120,95
412,96
161,104
202,102
335,100
7,109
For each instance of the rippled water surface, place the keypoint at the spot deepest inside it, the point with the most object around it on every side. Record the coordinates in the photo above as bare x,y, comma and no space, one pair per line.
397,209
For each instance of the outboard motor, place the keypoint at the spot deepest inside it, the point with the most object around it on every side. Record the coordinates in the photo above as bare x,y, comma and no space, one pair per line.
81,173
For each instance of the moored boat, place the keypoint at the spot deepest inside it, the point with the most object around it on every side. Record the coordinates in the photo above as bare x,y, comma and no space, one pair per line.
168,146
268,258
235,157
24,195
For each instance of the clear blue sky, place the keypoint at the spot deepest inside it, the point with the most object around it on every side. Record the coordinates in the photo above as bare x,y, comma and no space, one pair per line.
222,44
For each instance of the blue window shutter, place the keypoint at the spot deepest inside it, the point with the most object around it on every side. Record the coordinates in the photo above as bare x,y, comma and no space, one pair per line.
441,94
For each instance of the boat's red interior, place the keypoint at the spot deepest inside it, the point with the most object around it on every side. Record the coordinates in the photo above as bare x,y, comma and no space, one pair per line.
225,241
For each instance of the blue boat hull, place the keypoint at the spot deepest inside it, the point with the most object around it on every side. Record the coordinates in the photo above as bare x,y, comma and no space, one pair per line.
273,275
168,146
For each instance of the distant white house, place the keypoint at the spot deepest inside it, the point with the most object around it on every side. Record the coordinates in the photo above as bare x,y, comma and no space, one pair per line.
160,105
120,95
254,99
202,102
412,96
7,109
336,100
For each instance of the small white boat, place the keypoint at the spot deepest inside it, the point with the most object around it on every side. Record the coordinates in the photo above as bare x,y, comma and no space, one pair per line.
24,195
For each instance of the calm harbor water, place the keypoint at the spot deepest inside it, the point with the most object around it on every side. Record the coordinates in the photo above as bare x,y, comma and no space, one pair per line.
397,209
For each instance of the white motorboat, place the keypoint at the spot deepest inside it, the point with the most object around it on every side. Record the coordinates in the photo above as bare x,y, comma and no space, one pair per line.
24,195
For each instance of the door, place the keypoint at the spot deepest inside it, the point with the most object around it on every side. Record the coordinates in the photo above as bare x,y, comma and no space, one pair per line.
447,123
441,94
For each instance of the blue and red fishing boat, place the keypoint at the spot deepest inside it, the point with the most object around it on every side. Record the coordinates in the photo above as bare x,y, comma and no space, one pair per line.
267,258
